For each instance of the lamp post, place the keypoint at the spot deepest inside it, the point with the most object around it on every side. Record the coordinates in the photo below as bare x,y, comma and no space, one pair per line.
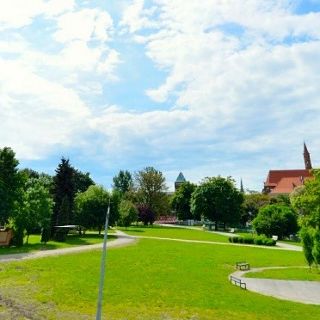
103,264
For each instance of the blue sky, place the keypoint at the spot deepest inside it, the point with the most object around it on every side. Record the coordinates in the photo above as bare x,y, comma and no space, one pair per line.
206,88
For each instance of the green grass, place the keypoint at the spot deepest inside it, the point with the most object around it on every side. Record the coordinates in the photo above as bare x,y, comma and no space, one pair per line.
154,279
34,243
287,274
175,233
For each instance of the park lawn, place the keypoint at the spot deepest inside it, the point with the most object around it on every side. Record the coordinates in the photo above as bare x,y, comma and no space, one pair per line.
174,233
287,274
154,279
72,240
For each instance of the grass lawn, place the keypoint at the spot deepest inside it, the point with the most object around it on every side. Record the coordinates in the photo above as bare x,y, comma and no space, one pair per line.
34,243
154,279
287,274
177,233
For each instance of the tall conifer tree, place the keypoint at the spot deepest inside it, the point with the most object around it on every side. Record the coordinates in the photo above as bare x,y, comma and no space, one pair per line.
63,194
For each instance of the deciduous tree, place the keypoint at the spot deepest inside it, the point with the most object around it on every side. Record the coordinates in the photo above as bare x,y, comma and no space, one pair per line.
151,190
218,200
181,201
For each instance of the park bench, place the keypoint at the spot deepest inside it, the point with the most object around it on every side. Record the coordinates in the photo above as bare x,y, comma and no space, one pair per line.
242,265
238,281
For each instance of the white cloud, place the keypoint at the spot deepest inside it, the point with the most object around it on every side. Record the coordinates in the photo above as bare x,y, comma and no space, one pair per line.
84,25
19,13
42,93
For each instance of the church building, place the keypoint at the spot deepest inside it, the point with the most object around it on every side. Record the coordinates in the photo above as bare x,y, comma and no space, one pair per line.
284,181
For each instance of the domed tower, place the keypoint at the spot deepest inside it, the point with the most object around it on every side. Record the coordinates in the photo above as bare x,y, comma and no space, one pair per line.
307,158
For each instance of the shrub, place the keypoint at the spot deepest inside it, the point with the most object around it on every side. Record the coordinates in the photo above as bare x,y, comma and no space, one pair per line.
258,240
307,243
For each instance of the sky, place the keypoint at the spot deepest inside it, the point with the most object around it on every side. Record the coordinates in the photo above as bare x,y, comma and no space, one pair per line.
208,87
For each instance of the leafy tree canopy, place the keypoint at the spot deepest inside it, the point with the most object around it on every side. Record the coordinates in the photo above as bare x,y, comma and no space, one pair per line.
123,182
91,208
151,190
217,199
276,219
181,201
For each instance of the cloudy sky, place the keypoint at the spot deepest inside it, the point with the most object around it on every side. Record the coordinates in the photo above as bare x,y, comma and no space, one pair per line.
204,87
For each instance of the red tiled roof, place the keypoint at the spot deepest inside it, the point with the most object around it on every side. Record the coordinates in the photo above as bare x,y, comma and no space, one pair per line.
275,176
284,181
286,185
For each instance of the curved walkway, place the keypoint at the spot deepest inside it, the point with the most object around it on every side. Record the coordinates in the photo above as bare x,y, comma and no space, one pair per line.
122,240
307,292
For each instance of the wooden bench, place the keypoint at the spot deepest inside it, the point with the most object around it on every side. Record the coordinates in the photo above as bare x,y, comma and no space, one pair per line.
238,281
242,265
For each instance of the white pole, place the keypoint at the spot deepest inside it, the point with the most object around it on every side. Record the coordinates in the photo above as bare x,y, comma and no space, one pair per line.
103,263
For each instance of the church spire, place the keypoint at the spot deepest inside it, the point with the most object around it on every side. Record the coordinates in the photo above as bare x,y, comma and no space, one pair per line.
307,158
241,186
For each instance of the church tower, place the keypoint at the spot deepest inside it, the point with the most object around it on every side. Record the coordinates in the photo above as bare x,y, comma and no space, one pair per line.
180,180
306,156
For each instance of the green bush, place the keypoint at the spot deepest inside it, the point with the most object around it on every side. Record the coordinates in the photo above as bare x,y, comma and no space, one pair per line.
258,240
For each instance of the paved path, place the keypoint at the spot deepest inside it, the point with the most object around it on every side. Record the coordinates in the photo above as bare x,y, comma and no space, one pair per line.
284,246
122,240
307,292
216,243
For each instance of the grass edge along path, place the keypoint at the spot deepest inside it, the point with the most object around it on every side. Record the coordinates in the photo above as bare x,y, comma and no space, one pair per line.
298,273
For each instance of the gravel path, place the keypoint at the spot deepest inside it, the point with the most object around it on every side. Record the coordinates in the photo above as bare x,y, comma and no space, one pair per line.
307,292
122,240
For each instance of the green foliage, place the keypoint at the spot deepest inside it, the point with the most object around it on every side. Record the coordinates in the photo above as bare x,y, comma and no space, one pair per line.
217,199
82,181
123,182
251,205
63,194
35,209
151,190
306,235
316,247
258,240
11,182
91,207
181,201
306,201
275,219
128,213
281,199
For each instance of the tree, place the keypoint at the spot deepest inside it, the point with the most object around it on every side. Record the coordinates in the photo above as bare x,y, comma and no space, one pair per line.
181,199
306,201
306,235
218,200
275,219
145,214
91,207
36,208
63,194
82,181
123,182
128,213
151,190
11,182
251,205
